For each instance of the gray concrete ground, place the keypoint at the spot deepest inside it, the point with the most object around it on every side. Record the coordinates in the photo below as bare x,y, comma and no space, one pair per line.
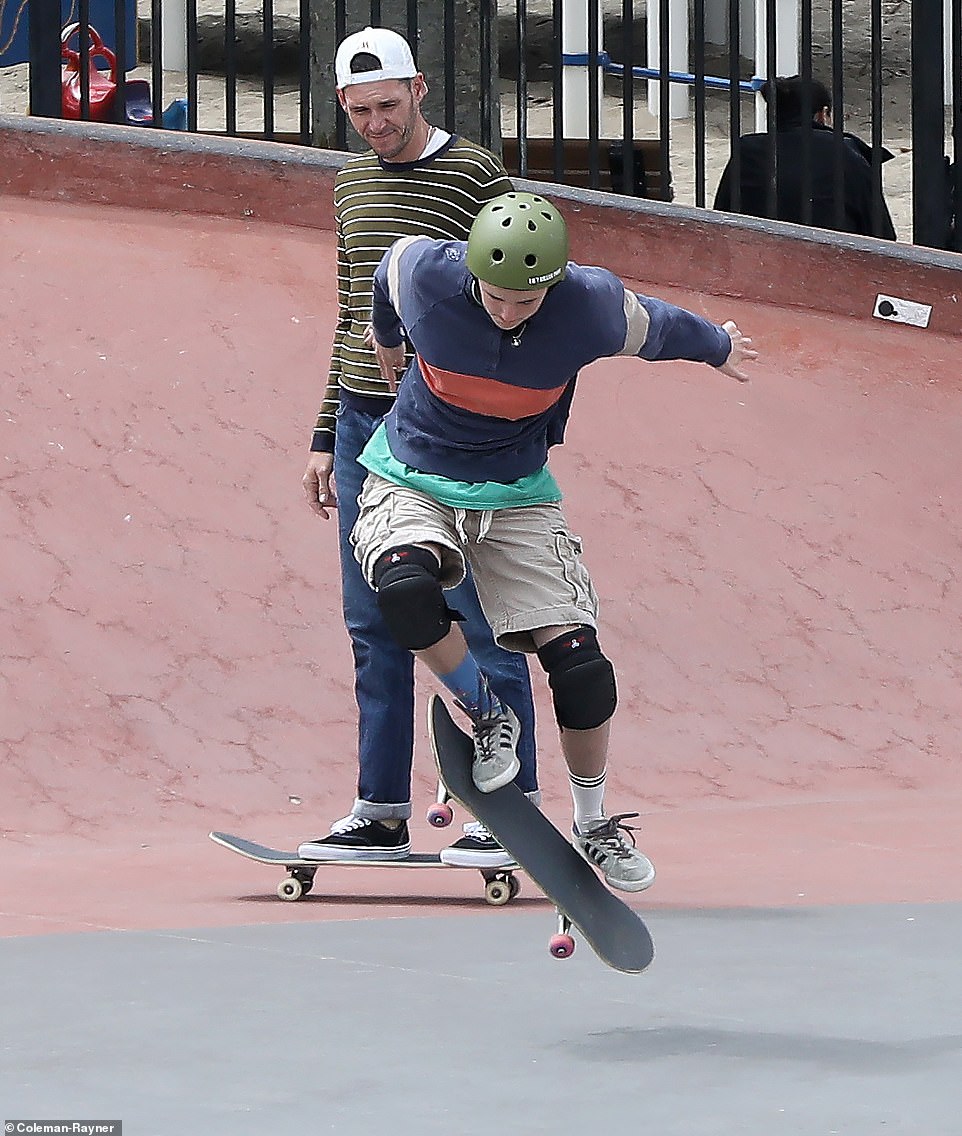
791,1022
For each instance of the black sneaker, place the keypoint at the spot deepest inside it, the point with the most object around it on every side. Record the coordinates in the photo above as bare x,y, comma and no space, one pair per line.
477,849
356,838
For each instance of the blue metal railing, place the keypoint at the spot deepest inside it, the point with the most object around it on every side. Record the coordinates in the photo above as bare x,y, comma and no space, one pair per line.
607,64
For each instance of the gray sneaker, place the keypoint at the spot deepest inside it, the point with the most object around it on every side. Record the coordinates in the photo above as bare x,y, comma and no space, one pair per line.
496,737
605,847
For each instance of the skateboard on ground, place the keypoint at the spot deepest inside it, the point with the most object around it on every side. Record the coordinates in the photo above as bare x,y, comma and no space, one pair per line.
501,885
583,900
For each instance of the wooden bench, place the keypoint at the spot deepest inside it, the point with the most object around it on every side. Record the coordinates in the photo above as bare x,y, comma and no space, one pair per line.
576,165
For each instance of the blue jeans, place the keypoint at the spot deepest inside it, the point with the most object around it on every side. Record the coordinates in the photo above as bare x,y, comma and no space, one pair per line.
384,672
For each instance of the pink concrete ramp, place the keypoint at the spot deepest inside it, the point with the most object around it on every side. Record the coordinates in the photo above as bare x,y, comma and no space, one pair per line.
778,565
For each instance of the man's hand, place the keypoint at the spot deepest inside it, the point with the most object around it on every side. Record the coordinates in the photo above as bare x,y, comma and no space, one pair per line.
317,484
390,360
741,352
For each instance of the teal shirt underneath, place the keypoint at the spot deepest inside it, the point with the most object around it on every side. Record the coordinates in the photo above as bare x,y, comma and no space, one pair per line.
536,489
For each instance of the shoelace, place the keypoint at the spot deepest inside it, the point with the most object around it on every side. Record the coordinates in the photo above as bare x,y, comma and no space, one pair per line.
350,823
492,732
610,835
476,829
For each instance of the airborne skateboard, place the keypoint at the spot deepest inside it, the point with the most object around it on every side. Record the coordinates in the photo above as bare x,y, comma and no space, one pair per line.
614,931
501,885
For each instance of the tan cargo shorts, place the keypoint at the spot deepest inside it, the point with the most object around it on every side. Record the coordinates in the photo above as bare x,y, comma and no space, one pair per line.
526,564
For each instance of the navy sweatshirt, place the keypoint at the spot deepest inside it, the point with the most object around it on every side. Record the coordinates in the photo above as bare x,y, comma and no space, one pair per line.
481,404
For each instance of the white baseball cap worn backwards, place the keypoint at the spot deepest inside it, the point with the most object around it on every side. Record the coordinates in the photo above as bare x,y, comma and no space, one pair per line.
388,47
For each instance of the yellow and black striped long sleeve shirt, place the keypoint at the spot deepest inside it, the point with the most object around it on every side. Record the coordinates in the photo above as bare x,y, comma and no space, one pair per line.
376,204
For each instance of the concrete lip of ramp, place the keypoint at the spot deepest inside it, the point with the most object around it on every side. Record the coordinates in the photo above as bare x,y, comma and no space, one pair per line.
778,573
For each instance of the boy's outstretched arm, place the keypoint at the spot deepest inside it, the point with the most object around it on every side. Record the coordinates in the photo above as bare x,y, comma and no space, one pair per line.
660,331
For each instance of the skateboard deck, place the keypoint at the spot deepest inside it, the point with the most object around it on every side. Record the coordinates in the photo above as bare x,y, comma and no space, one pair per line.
501,884
583,900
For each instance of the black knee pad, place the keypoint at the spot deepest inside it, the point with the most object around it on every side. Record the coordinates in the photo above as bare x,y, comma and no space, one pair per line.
582,680
408,583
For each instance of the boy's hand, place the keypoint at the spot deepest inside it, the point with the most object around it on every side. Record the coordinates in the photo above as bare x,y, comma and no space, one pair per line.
390,361
741,352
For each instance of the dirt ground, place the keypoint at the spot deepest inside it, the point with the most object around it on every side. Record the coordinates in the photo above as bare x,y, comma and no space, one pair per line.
896,95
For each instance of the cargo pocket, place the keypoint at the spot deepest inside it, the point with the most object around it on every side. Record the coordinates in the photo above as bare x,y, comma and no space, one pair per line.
568,550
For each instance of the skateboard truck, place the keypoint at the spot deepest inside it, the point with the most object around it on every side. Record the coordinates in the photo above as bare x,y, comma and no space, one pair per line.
297,885
501,885
440,814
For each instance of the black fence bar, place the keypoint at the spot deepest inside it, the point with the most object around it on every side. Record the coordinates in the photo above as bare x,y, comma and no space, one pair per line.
805,16
594,108
124,61
956,13
929,206
157,60
268,67
955,180
193,54
44,48
84,37
734,101
699,71
412,22
340,31
484,46
877,112
628,97
664,87
487,80
771,110
521,93
230,66
557,91
450,94
304,72
838,115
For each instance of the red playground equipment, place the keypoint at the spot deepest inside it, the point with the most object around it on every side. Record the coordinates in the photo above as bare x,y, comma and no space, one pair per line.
138,105
103,83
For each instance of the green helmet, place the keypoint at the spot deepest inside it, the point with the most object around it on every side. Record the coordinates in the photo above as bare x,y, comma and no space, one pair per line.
518,241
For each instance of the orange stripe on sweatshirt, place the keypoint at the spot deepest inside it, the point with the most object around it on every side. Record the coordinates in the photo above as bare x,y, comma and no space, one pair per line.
487,396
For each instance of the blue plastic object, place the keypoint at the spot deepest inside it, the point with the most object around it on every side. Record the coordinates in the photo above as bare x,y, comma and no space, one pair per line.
15,37
175,116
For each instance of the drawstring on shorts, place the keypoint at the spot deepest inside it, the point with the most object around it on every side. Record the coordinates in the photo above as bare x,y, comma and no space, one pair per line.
484,524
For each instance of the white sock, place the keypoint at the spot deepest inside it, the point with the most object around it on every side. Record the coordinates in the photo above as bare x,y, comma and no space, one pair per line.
588,795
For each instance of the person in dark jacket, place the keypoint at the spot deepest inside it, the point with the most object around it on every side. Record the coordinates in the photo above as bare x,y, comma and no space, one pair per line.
790,150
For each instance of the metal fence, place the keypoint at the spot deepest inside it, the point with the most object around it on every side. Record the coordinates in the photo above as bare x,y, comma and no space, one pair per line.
647,98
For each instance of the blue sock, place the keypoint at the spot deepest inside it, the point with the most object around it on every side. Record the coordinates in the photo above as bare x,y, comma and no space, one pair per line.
470,687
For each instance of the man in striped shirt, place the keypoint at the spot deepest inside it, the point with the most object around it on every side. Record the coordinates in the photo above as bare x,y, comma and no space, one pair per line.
416,179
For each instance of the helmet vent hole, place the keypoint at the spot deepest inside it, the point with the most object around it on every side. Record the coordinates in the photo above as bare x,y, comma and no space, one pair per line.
530,260
497,255
532,227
